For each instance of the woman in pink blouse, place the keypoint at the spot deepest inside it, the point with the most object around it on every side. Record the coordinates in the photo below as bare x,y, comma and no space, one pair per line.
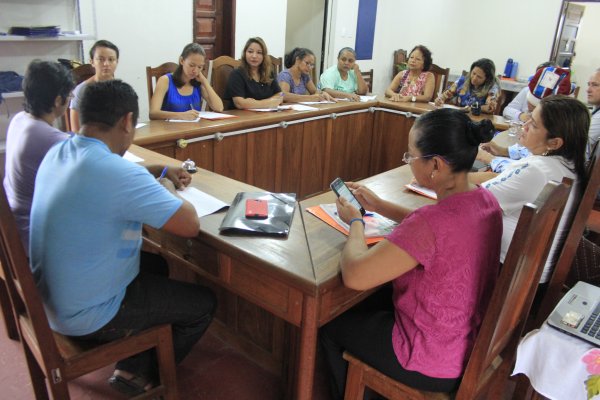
415,83
442,261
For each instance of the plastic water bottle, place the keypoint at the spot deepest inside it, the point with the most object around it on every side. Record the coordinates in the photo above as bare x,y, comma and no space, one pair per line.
513,71
508,68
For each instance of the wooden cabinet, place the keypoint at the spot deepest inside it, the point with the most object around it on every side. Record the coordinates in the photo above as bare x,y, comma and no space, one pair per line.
390,140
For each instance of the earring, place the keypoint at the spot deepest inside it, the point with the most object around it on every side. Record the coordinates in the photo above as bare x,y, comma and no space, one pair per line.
546,152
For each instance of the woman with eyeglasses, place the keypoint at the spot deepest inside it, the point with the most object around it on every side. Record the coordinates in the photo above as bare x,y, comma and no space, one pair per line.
442,261
344,80
253,84
556,136
415,83
104,57
179,95
295,81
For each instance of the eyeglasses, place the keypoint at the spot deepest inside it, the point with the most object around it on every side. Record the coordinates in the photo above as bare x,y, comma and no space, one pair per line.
407,158
309,65
103,60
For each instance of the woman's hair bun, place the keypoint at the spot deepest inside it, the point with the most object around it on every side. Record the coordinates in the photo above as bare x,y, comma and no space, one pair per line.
479,132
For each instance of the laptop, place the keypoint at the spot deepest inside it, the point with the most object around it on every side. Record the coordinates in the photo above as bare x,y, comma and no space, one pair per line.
578,313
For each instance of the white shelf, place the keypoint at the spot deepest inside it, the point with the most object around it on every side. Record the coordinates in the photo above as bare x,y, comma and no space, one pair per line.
12,95
68,38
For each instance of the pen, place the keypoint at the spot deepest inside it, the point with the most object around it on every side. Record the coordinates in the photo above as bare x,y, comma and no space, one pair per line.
163,173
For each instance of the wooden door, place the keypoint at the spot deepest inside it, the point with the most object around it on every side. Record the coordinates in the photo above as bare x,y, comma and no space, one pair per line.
214,27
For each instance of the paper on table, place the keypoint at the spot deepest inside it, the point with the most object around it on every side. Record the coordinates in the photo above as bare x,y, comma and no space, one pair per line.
141,124
421,190
204,204
376,225
184,120
278,108
301,107
129,156
214,115
317,102
367,98
452,106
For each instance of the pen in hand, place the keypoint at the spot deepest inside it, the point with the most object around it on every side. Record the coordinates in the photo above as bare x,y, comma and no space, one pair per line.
163,173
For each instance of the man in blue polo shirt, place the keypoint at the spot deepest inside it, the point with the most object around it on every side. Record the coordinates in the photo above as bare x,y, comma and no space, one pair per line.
88,209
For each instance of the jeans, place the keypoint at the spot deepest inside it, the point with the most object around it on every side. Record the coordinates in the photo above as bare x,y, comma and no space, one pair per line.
152,300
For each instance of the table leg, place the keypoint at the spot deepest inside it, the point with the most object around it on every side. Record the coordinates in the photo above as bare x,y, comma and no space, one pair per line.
305,369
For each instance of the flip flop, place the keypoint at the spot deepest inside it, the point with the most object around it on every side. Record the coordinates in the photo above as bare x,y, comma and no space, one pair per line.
130,387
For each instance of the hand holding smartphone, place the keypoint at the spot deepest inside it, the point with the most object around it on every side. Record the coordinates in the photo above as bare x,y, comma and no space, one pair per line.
341,190
257,209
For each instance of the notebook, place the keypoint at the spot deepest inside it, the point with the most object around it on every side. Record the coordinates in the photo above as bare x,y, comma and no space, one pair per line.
578,313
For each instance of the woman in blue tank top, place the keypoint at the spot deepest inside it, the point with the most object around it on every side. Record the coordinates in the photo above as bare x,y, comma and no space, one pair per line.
179,95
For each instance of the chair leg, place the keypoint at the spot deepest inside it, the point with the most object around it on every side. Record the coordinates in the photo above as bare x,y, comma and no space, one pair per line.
355,385
7,313
523,389
38,379
166,364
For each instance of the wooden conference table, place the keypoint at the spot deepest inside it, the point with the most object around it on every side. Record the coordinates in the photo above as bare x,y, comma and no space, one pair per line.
295,151
294,280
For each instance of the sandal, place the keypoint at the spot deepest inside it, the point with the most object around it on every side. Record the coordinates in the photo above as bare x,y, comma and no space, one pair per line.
130,387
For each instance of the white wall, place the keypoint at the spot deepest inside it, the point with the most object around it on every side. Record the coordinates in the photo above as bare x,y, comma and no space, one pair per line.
304,27
587,58
264,18
147,33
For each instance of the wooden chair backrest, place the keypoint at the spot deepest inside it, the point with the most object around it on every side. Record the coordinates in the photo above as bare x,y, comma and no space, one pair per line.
27,303
400,57
80,74
368,77
563,264
152,75
277,63
513,294
441,78
219,70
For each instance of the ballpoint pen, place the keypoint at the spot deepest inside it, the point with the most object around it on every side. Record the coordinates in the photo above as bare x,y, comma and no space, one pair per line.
163,173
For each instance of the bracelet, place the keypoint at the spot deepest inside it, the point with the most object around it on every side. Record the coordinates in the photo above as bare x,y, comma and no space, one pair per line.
353,220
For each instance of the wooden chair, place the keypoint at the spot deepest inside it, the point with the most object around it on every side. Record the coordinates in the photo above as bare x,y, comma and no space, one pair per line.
80,74
219,70
556,288
494,350
277,64
368,77
156,73
57,358
400,58
441,78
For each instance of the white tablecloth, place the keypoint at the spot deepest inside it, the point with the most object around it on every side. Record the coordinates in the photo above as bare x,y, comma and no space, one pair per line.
552,360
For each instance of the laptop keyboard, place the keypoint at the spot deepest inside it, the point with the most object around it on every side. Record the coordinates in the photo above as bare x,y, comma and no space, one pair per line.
592,325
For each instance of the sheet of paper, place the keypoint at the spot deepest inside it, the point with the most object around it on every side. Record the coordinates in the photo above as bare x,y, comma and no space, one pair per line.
367,98
215,115
452,106
139,125
376,225
129,156
316,102
204,204
421,190
279,108
302,107
184,120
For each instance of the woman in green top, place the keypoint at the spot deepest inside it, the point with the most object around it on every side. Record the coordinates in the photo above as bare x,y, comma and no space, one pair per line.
344,80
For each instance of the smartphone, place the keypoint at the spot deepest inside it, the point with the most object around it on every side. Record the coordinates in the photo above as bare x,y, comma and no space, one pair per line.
257,209
341,190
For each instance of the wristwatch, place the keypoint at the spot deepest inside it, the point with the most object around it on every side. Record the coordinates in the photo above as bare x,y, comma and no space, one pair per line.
413,99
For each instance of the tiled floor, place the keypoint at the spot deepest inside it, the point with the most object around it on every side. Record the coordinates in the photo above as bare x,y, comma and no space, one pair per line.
213,370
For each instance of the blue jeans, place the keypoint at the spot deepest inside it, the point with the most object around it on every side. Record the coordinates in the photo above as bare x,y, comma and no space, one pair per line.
153,300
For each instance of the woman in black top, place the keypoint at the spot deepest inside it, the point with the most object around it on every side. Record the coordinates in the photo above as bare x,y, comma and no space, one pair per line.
253,84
